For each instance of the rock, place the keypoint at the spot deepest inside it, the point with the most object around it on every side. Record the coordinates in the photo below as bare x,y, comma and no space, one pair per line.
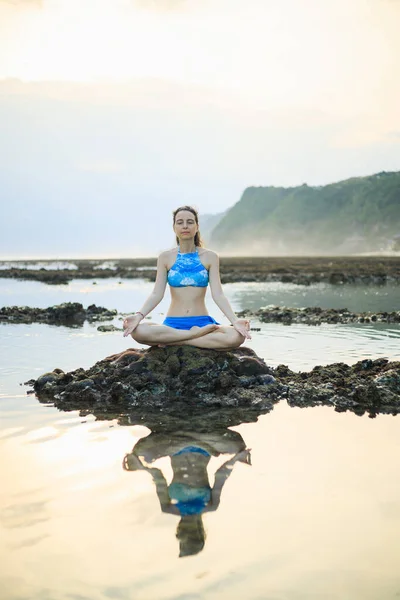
266,379
163,377
249,365
316,315
69,314
73,314
46,379
108,328
390,379
336,270
184,380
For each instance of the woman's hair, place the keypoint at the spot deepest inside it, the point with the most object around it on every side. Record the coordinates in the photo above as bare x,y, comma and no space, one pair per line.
191,535
197,238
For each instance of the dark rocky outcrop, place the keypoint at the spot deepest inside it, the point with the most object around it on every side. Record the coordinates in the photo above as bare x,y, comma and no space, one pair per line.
73,314
166,385
369,386
68,313
316,316
308,270
79,269
141,386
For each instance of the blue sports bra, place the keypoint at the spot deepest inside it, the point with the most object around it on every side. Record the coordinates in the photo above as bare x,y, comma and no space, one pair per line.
188,270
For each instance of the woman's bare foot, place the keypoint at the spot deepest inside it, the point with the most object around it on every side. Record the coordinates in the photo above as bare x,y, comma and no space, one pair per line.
196,333
116,357
199,331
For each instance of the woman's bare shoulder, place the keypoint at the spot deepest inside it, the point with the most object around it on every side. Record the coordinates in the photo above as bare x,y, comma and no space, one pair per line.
168,252
209,254
166,256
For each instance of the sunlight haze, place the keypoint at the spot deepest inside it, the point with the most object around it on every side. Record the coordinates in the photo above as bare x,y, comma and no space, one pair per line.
112,113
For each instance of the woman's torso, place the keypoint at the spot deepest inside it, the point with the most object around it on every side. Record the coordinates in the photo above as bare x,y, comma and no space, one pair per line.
187,300
190,466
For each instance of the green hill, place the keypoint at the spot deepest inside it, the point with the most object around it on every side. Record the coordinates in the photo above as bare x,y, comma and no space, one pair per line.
360,214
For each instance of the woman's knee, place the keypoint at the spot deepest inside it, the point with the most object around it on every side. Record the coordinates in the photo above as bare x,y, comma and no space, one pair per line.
240,338
234,338
140,333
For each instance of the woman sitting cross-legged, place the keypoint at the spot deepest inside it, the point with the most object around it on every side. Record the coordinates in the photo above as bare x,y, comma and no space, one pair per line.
188,269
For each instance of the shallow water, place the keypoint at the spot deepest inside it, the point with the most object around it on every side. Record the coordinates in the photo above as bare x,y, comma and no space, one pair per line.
126,294
56,264
316,515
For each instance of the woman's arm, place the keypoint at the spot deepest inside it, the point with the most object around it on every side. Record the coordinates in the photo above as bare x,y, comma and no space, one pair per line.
131,322
159,287
162,491
219,297
222,475
132,462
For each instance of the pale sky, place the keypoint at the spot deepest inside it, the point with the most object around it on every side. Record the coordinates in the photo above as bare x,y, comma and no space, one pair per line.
113,112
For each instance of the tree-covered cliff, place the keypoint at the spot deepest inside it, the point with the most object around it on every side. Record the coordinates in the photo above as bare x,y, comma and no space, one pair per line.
356,215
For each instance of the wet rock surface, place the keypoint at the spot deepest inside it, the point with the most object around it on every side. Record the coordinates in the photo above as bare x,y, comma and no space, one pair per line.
74,314
316,315
369,386
147,386
335,270
299,270
84,269
68,313
108,328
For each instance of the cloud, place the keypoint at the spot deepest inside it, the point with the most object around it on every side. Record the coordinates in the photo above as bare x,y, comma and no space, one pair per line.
85,154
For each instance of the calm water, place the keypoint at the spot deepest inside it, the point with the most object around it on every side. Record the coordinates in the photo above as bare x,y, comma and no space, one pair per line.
316,514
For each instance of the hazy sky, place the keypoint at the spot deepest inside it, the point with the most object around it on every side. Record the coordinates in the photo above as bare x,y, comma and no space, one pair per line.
113,112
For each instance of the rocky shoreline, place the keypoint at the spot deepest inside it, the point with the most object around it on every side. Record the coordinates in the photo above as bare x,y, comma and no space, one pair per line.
74,314
316,315
140,385
367,270
68,313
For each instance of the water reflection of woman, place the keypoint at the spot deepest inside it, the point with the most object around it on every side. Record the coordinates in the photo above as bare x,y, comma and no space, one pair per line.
189,494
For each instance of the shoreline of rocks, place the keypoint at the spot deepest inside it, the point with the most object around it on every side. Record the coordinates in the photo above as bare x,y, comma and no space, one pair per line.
336,270
315,315
181,380
69,314
73,314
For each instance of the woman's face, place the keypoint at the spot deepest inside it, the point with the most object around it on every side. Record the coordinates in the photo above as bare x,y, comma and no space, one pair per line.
185,225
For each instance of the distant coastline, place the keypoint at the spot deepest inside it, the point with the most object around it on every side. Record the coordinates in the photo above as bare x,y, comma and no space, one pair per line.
302,270
353,216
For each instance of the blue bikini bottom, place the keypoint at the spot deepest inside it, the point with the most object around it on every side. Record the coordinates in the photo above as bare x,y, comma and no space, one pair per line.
188,322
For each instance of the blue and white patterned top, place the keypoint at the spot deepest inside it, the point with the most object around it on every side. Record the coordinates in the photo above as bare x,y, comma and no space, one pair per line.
188,270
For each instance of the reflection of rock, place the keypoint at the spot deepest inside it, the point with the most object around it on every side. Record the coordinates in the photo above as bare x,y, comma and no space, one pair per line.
68,313
315,315
143,386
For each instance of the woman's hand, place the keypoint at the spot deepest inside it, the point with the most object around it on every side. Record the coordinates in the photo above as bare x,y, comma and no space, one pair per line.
130,323
243,327
244,456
